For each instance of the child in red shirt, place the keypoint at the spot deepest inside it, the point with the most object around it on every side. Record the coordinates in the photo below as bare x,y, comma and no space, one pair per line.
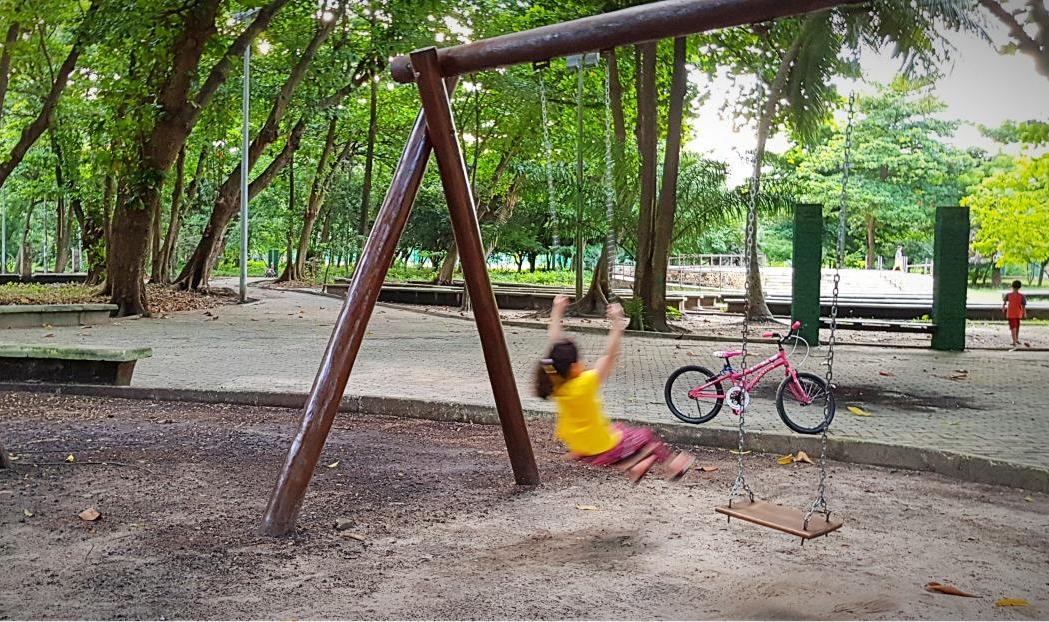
1014,305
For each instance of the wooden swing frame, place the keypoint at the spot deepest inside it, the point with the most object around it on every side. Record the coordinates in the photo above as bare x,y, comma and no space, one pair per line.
435,74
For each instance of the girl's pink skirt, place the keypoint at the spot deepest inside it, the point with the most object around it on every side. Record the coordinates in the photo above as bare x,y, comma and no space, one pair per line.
632,440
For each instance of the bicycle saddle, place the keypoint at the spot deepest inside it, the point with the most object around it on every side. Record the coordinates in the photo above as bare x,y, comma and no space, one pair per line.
727,354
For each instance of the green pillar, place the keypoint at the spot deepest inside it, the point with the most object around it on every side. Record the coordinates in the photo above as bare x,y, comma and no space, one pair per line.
950,277
806,262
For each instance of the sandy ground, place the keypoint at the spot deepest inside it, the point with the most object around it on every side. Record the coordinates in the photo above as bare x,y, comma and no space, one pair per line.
439,531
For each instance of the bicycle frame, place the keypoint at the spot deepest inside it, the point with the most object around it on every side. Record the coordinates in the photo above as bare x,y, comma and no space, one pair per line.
750,377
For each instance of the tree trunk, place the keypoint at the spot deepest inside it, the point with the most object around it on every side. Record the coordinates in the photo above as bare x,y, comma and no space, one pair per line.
656,302
369,159
14,30
25,257
647,129
759,309
5,461
1035,46
447,271
38,125
95,232
173,113
62,210
156,250
297,271
1041,271
871,226
162,261
137,199
600,293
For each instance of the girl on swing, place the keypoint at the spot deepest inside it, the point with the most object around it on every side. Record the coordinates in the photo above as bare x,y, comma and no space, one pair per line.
581,423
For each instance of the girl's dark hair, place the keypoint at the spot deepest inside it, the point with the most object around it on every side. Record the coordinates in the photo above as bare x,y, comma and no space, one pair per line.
1017,284
554,369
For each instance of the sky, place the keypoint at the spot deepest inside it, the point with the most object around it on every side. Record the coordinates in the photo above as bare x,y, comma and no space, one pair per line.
980,86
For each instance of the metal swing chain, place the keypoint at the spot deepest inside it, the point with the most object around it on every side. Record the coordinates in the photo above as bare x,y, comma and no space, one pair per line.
609,181
740,485
548,147
820,504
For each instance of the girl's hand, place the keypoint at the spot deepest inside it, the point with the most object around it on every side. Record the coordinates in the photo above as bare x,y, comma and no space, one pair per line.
560,304
615,314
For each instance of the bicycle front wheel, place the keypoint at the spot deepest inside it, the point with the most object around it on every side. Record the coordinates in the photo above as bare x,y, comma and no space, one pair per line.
805,418
689,409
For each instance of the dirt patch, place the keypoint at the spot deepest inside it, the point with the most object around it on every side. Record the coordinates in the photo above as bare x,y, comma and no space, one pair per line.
162,299
437,530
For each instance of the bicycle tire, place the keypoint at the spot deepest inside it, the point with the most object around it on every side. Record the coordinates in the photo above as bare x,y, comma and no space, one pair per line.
669,392
784,390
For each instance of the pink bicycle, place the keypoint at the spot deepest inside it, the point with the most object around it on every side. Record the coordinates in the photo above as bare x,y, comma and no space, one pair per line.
695,394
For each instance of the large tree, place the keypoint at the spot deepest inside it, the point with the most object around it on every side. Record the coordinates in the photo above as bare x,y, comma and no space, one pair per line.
167,112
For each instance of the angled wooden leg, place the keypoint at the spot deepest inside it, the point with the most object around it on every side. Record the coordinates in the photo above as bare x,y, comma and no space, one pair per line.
361,295
438,113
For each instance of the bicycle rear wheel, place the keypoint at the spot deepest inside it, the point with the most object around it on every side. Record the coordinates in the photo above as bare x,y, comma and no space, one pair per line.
688,409
811,418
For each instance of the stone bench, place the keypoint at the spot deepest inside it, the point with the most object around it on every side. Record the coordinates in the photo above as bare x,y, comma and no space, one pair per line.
69,364
35,316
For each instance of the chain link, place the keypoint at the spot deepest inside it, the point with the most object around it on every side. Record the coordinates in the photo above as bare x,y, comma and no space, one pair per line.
609,181
548,147
820,504
740,485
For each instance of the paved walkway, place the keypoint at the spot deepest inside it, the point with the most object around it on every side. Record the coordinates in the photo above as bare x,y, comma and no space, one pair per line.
999,410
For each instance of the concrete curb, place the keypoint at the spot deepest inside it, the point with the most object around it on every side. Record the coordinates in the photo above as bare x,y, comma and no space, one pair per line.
855,451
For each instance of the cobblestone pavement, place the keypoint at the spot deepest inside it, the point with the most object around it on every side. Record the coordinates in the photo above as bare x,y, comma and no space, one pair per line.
998,408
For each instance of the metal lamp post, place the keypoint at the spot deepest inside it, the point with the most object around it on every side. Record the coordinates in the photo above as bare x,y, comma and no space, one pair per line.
245,145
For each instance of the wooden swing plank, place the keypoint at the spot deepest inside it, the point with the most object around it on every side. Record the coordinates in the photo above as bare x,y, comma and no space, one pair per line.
779,517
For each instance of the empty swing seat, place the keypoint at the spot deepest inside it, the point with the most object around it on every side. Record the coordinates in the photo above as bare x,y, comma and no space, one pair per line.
727,354
780,517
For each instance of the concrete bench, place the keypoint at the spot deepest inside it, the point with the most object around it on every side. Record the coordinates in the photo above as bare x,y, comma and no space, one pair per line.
35,316
880,325
69,364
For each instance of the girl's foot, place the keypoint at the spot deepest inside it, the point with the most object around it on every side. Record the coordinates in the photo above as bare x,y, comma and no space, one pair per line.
679,465
640,469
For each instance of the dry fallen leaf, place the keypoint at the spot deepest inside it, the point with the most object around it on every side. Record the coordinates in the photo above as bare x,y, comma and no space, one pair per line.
585,507
1028,499
70,458
333,464
887,374
788,459
49,335
859,412
709,469
947,589
1011,602
90,514
803,457
28,513
356,536
739,453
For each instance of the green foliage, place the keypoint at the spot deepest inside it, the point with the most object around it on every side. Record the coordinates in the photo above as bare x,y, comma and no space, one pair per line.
1010,210
1033,133
901,168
